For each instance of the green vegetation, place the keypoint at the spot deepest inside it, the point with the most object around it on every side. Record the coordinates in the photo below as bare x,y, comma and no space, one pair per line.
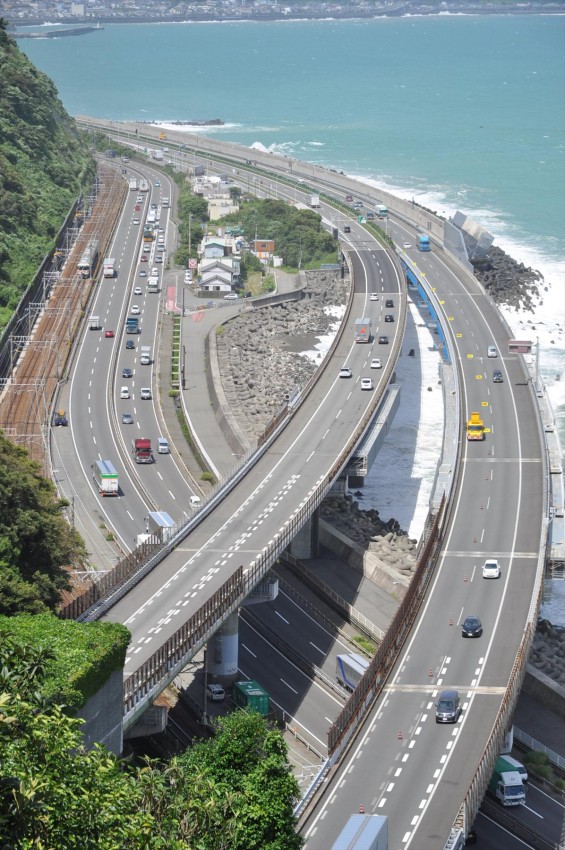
44,165
76,658
36,542
539,763
234,792
193,215
299,236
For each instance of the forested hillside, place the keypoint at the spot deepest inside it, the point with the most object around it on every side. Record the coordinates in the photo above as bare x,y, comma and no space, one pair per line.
44,164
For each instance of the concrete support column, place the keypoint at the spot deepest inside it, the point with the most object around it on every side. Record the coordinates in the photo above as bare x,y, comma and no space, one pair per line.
222,652
306,544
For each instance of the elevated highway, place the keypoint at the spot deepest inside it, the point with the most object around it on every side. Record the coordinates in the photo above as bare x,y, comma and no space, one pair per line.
401,764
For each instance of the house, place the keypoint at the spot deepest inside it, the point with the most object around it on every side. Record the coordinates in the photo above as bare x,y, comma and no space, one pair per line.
264,249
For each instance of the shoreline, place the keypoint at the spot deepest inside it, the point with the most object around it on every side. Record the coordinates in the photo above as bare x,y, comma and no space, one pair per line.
273,17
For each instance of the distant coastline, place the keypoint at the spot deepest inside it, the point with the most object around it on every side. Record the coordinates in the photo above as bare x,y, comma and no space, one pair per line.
298,14
61,32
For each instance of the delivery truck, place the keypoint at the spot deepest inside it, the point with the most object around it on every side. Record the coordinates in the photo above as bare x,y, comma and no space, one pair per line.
109,267
475,427
363,832
251,695
314,202
153,283
106,477
506,784
363,330
145,355
94,323
141,450
423,242
133,184
350,669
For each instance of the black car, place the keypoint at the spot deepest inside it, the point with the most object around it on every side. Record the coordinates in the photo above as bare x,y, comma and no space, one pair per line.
127,373
383,340
130,343
346,228
389,317
389,303
497,376
471,627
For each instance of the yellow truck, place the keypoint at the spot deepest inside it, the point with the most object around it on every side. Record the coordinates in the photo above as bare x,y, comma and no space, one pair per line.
162,135
475,427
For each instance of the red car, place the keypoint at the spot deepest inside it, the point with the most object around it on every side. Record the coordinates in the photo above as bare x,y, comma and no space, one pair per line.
109,334
143,258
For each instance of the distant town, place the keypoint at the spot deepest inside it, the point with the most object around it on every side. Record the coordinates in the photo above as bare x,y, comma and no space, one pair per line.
29,12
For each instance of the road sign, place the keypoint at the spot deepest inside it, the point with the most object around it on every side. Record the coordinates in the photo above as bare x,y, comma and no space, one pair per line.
192,263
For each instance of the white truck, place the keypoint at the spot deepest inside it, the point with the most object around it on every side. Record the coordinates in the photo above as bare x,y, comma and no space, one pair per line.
158,154
363,832
143,186
145,355
350,669
314,202
109,267
106,477
153,283
506,783
94,323
133,184
165,201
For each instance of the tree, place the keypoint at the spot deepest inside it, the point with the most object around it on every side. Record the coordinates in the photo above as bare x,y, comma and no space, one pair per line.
36,542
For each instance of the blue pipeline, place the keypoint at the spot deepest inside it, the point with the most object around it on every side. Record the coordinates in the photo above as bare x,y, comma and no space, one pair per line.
424,302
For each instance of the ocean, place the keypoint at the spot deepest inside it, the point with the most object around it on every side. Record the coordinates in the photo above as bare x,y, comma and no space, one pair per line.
455,111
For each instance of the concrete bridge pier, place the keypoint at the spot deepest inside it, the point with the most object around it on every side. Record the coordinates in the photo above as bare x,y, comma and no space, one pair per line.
222,651
306,544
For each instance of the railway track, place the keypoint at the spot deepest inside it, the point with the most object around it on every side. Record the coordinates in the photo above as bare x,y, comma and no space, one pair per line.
27,398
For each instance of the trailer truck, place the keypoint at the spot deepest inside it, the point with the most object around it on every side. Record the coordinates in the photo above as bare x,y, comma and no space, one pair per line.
423,242
350,669
363,330
363,832
106,477
506,784
141,450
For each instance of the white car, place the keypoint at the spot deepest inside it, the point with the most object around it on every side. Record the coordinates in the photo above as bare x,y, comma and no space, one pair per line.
138,290
135,311
145,393
376,363
491,569
491,351
345,372
407,245
373,297
366,383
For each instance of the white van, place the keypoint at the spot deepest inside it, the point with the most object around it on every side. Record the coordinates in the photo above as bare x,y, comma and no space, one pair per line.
231,296
124,392
163,446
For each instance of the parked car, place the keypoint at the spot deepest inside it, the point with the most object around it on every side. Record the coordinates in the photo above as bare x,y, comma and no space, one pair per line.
366,383
471,627
345,372
60,418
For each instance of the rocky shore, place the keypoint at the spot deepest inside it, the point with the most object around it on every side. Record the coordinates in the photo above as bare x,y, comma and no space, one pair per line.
259,355
510,283
548,651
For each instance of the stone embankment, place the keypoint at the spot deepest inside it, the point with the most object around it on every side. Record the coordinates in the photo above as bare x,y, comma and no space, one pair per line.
259,351
510,283
548,652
